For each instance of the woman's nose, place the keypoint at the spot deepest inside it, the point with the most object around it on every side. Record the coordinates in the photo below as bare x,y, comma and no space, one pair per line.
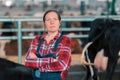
51,21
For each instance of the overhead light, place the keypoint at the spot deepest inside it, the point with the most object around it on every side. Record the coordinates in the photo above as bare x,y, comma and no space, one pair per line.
8,3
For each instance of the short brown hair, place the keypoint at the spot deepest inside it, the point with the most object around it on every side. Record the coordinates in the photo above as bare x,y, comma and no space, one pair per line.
58,14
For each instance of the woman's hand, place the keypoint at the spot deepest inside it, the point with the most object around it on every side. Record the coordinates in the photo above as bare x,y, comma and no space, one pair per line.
32,56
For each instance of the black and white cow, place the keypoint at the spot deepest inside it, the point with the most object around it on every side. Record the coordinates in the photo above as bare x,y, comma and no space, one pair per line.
104,34
14,71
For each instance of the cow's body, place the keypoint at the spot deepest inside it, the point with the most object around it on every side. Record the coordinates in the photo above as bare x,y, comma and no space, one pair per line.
13,71
105,34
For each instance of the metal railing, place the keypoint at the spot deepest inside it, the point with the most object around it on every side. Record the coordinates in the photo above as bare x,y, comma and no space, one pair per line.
21,19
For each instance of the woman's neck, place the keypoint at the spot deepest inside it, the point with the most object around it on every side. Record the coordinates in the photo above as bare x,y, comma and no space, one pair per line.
52,34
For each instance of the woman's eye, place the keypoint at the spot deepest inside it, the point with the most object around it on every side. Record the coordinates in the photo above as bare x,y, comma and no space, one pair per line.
54,19
47,20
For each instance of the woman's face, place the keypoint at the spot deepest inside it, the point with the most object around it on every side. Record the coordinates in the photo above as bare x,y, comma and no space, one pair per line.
52,22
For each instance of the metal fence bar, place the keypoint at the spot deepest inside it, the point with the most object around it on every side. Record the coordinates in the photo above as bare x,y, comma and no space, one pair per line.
79,18
41,30
19,42
31,37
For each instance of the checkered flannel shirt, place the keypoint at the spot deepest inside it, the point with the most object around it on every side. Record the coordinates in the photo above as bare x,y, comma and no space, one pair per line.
63,53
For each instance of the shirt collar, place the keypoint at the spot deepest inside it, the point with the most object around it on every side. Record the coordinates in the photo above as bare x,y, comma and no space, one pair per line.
56,37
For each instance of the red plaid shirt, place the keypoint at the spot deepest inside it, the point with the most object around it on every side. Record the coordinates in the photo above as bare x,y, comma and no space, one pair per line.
63,53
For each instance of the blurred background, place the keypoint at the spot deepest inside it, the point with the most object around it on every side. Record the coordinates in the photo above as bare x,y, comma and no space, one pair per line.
66,7
24,21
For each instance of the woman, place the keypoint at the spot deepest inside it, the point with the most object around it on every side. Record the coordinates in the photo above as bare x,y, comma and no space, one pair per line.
53,67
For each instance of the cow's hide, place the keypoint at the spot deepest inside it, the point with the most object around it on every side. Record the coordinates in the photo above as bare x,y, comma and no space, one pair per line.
76,46
14,71
13,44
104,34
